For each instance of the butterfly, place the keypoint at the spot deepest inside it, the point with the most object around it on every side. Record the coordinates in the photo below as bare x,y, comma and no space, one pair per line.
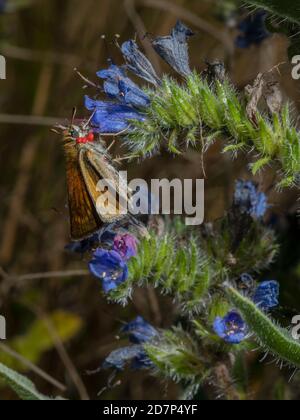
87,163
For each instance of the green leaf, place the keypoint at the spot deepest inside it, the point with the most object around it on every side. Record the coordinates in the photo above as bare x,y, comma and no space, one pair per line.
234,148
25,389
258,165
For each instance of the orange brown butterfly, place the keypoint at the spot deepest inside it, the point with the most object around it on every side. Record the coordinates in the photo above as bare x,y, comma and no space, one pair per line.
88,162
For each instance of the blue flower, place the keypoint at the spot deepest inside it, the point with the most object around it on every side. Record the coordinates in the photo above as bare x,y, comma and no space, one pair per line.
249,200
138,63
266,295
232,328
253,30
119,358
174,48
111,118
139,331
110,268
119,86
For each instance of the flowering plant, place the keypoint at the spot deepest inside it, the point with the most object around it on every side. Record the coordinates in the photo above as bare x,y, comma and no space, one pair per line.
213,272
224,303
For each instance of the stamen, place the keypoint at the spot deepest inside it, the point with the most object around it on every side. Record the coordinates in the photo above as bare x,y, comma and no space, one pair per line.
86,80
106,46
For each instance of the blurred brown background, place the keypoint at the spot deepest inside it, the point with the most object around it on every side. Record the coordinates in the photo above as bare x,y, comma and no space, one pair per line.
43,41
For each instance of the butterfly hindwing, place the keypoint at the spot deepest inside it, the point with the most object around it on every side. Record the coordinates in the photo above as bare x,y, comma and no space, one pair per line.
95,166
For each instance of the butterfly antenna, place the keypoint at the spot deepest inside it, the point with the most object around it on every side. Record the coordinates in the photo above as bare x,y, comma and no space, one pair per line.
90,119
74,111
53,130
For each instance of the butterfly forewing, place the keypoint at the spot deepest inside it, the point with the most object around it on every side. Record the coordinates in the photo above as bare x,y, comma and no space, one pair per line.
84,219
88,163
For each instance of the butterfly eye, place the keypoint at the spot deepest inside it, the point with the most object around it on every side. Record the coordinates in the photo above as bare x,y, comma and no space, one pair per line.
90,137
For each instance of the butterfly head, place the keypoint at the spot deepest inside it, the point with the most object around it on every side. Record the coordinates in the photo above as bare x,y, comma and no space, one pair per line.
81,134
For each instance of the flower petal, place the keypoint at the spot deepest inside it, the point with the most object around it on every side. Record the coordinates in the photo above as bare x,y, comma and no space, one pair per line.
111,117
109,267
138,63
120,357
174,48
139,331
249,200
253,30
119,86
232,328
267,294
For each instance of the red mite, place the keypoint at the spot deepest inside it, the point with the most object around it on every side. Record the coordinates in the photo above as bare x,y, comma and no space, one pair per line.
87,139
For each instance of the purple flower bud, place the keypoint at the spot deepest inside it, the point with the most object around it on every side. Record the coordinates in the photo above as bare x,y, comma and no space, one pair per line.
126,246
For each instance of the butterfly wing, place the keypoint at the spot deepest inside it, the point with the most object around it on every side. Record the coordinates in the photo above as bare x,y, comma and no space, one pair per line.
84,219
95,166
